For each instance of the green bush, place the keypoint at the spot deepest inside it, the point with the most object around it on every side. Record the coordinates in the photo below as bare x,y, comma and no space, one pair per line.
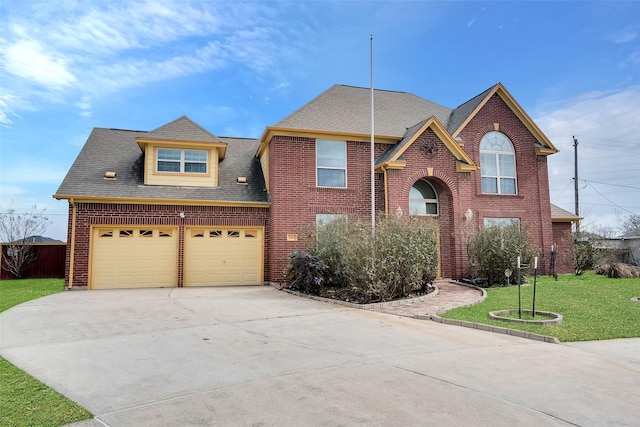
492,250
401,259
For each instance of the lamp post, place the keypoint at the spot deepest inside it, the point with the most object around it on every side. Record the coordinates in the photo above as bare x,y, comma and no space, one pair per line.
535,279
519,295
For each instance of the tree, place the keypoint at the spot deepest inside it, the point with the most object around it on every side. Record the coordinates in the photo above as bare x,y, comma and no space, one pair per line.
15,231
631,226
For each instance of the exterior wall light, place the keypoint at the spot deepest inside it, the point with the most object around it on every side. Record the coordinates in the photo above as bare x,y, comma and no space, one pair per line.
468,215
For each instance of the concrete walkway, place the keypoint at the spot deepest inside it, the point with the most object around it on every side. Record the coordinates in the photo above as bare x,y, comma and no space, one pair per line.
257,356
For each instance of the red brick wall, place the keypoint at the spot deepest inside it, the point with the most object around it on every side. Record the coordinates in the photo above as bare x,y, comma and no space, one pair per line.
89,214
295,198
562,237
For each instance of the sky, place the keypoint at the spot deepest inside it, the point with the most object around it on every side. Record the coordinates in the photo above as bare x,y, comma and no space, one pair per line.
236,67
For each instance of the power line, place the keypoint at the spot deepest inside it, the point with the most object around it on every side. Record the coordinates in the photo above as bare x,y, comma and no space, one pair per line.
613,203
607,139
613,185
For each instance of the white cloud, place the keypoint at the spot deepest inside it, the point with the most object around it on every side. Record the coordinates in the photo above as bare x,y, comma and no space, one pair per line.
27,59
76,51
606,126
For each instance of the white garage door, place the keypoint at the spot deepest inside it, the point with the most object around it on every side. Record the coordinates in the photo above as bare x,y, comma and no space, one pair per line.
223,256
128,257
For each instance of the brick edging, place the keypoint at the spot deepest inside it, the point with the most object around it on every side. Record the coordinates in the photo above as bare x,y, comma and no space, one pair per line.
496,329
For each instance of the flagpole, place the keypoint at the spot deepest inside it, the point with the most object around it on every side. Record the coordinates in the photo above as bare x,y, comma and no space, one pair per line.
373,185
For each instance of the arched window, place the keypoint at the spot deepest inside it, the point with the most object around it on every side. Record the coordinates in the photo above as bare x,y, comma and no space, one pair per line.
497,164
423,199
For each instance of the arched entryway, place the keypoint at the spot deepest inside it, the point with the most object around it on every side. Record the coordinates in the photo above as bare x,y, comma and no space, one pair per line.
430,197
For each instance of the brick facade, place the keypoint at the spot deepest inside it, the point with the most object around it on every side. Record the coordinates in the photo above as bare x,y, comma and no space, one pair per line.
295,198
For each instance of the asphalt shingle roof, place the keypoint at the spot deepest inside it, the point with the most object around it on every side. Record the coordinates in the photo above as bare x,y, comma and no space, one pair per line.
348,109
183,129
559,213
463,111
117,150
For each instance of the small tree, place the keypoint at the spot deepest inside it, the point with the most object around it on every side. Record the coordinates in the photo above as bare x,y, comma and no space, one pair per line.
583,254
15,229
631,226
492,250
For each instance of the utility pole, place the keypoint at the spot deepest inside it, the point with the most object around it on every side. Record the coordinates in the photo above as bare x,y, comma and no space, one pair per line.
575,182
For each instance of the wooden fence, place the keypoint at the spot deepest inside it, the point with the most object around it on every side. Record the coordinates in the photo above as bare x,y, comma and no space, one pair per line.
49,264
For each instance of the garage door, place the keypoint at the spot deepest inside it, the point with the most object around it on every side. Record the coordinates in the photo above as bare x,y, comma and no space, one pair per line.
130,257
223,256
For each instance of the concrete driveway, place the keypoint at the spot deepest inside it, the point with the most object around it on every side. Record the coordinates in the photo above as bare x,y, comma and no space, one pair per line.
257,356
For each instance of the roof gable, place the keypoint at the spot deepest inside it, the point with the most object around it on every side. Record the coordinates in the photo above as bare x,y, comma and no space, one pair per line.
182,129
462,115
390,158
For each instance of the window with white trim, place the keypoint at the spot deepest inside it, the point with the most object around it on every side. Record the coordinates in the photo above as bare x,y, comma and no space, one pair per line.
331,163
497,164
182,161
423,199
324,219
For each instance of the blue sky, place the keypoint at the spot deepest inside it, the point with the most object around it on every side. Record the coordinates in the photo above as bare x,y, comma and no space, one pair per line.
236,67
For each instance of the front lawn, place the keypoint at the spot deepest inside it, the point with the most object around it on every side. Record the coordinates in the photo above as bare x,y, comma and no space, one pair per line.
594,307
25,401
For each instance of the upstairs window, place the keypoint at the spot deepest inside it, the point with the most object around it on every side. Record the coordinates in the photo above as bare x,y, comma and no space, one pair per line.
497,164
423,199
331,163
182,161
501,222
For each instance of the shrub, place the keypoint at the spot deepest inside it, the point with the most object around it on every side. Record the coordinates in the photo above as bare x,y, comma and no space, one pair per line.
406,256
306,272
492,250
400,260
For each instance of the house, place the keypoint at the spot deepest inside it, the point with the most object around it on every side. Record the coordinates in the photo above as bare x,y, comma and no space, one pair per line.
180,206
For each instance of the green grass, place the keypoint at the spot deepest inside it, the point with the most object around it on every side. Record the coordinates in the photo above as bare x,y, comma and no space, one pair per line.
25,401
594,307
14,292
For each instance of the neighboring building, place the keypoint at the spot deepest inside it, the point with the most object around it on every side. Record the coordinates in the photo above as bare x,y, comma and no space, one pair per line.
180,206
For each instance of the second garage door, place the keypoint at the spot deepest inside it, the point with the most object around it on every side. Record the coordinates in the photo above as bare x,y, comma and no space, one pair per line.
223,256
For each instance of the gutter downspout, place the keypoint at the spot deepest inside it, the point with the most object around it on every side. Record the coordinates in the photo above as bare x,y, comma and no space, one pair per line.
72,202
386,190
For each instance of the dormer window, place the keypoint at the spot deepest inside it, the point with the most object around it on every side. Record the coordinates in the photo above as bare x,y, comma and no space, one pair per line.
182,161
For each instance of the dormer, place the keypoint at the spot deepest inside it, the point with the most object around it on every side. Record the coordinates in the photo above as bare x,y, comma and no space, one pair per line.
181,153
